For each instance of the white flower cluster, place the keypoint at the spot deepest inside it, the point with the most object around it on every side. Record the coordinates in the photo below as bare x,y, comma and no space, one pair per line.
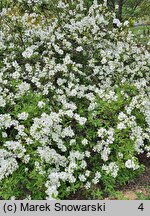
103,145
8,164
131,165
59,78
23,116
112,169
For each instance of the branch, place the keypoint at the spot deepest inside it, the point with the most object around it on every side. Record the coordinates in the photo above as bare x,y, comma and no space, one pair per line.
137,4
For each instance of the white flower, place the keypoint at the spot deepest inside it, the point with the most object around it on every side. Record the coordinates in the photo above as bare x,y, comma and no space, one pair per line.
101,132
82,178
72,141
83,164
105,153
81,120
84,141
87,154
26,170
117,22
121,126
67,132
26,159
88,185
104,60
79,49
112,168
4,134
27,53
120,155
2,102
23,116
28,197
69,113
41,104
61,4
126,23
87,173
23,87
95,181
98,175
121,116
12,198
131,165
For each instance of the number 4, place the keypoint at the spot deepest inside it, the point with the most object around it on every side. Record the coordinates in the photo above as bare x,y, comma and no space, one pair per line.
141,207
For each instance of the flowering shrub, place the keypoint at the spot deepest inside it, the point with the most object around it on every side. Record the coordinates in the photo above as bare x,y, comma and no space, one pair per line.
74,102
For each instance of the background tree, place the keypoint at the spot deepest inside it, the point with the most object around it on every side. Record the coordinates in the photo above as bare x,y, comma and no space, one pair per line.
128,8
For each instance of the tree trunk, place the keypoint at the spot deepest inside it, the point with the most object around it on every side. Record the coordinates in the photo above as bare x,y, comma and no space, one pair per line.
120,5
113,5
